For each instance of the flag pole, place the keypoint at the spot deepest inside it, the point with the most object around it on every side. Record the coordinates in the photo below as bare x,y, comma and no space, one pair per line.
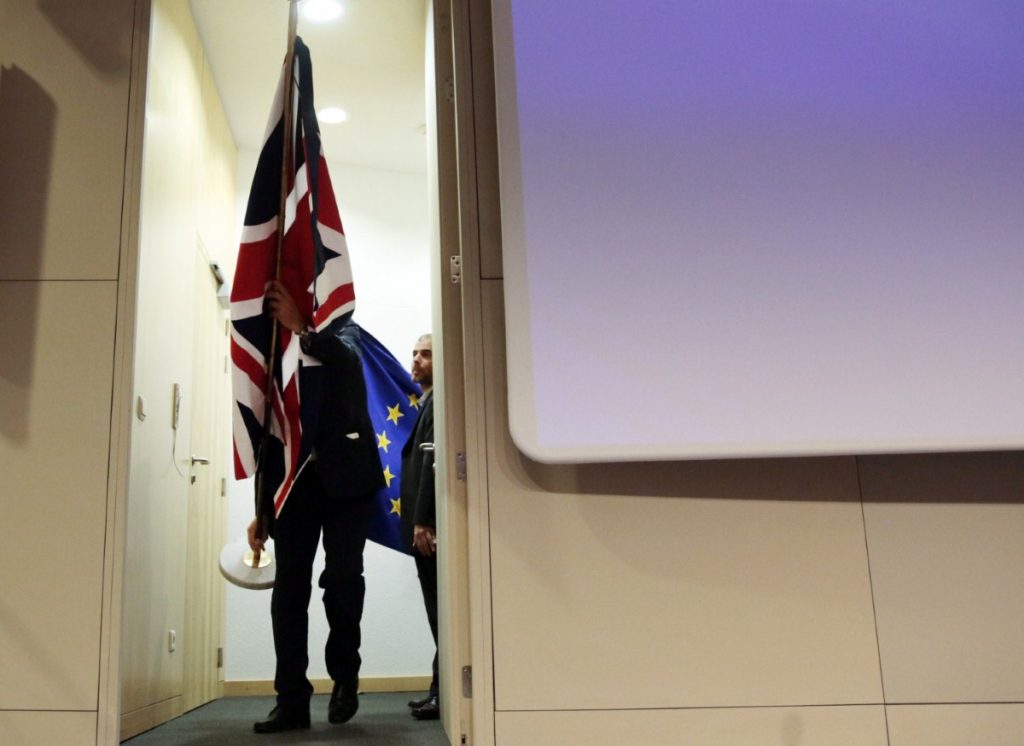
263,514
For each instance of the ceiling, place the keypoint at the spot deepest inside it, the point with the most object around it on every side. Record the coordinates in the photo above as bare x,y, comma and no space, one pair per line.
370,62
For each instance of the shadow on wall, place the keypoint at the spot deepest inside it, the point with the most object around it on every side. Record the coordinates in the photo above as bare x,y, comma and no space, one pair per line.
993,477
27,123
985,478
88,24
791,479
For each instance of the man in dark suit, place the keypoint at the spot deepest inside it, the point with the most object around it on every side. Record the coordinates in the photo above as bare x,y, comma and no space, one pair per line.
418,507
333,494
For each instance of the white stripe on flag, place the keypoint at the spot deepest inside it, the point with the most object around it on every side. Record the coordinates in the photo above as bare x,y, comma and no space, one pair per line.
332,239
301,183
290,361
243,446
257,233
244,343
246,309
248,393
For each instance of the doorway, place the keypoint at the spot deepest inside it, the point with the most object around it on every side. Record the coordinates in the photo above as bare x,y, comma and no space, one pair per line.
196,177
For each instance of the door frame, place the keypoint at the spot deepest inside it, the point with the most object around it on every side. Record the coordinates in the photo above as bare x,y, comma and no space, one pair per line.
469,228
449,420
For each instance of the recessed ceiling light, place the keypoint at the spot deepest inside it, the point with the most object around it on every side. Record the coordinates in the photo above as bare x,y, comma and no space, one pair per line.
332,115
320,10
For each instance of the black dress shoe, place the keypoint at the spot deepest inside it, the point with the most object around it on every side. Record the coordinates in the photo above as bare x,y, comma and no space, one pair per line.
431,710
344,703
415,704
281,719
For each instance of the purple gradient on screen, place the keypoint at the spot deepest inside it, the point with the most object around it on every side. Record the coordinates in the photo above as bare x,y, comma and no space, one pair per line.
773,225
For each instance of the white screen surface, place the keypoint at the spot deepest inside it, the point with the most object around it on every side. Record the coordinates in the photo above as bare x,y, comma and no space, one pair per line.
762,227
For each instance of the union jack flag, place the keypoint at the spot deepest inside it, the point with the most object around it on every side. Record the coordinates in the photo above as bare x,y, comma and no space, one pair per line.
316,271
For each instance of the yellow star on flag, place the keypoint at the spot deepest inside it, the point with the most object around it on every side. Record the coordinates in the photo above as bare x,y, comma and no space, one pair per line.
414,401
396,507
394,413
383,442
388,476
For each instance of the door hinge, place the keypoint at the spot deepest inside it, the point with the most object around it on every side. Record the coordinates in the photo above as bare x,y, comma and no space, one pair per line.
460,466
223,486
220,657
455,264
467,682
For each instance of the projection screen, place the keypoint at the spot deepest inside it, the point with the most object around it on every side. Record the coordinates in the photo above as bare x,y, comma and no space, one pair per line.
740,228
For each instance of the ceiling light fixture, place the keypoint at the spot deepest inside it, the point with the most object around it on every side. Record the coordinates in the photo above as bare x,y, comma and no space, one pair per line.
320,11
332,115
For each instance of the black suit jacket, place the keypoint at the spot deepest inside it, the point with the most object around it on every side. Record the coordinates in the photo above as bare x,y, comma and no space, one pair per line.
347,459
417,486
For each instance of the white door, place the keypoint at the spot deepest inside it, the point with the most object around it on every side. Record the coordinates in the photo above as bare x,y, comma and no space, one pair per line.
204,588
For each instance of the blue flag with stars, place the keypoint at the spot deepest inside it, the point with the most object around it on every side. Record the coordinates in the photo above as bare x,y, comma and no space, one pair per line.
393,400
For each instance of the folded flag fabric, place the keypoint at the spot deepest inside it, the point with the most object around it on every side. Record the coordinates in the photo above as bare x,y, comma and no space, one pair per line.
393,400
316,271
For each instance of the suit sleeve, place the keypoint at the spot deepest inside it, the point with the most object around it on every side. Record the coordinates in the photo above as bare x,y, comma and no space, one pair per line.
339,346
426,514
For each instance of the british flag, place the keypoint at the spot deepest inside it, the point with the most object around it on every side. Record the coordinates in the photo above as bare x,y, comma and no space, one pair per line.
316,271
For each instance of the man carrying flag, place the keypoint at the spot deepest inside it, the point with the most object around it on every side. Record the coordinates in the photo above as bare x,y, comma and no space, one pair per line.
334,493
301,419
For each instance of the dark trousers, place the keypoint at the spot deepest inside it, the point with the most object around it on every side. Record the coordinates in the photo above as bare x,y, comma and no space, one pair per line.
344,524
427,569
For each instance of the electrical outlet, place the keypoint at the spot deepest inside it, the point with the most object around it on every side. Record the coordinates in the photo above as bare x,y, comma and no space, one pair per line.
176,413
172,641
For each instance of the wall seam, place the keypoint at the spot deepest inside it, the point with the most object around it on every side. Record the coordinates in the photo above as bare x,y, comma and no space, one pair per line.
871,590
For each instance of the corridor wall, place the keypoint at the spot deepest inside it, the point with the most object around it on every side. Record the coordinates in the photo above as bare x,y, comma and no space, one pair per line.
69,146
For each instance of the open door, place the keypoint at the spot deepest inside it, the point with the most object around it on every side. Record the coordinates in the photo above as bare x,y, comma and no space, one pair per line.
449,380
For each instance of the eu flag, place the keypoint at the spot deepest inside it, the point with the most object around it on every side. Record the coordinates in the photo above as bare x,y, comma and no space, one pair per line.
393,400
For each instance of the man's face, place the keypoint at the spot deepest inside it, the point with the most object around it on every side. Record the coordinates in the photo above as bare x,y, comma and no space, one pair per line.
423,362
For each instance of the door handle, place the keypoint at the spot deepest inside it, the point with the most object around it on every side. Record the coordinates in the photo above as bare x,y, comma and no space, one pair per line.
199,460
427,447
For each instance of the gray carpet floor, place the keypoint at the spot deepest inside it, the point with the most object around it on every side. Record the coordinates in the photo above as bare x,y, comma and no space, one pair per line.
382,720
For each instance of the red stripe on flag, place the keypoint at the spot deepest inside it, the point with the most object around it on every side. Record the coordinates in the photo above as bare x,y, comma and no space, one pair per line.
254,369
240,472
339,297
327,206
255,267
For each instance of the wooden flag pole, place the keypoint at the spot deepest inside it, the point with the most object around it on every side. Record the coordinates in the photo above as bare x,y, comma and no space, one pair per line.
263,516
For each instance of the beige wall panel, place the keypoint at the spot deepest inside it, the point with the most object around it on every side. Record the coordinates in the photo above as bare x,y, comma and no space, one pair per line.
945,540
63,118
784,726
673,584
956,725
48,728
55,384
